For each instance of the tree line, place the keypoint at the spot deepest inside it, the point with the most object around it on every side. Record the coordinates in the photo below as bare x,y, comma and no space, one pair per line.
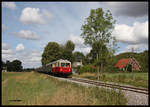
14,66
54,51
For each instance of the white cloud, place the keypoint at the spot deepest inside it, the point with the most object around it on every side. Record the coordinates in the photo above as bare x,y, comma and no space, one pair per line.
136,34
79,44
5,46
27,34
34,16
35,59
46,14
86,50
7,57
19,47
9,51
6,49
29,58
10,5
4,27
76,39
134,47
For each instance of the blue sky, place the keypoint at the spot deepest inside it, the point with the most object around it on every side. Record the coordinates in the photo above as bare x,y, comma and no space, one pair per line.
27,27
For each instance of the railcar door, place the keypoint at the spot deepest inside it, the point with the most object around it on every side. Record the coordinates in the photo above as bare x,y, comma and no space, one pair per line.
51,67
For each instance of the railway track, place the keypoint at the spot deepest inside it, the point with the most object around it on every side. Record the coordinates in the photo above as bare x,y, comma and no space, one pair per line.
110,85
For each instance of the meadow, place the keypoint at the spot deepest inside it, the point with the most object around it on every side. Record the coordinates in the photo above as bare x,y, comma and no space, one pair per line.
128,78
31,88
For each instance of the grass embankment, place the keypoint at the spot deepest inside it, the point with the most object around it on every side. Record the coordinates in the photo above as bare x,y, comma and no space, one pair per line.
39,89
130,78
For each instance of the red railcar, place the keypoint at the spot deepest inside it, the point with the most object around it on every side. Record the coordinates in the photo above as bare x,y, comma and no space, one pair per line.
60,67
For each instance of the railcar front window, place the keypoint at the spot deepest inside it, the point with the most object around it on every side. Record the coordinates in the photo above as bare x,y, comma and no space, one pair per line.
67,64
63,64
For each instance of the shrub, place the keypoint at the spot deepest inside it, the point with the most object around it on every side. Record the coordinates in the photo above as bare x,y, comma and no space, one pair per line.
87,68
112,69
76,69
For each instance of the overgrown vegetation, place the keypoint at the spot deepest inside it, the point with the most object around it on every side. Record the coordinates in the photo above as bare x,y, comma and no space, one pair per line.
142,58
39,89
88,68
129,78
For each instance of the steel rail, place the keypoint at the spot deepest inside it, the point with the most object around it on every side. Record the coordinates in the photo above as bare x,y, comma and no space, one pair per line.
128,88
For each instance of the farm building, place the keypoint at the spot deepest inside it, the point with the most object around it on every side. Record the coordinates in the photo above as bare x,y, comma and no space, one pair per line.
125,62
77,63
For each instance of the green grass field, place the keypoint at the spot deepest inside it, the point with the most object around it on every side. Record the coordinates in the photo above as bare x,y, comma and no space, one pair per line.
130,78
38,89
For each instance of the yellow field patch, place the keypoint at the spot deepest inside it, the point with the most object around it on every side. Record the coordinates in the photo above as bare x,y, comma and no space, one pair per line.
66,97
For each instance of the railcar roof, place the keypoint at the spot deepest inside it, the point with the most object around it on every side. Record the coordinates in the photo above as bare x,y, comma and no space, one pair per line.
60,60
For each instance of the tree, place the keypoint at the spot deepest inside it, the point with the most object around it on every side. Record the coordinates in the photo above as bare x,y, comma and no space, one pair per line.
67,50
16,65
67,54
51,53
88,59
99,54
69,45
78,56
3,64
98,27
9,65
96,32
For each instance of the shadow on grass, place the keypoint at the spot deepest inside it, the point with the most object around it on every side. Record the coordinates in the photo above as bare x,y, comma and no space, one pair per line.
15,100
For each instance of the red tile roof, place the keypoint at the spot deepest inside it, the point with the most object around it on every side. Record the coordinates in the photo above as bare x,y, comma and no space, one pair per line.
122,63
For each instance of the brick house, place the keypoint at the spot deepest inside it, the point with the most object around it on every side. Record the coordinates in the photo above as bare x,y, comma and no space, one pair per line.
123,64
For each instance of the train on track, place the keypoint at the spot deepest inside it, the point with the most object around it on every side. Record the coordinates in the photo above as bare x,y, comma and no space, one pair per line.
59,67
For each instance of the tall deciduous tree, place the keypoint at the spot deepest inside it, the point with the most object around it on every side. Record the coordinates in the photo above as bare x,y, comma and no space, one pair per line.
69,45
67,50
51,53
97,33
98,27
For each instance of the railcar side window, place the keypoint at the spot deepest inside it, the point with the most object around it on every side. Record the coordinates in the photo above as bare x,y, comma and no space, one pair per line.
57,64
53,65
62,64
68,64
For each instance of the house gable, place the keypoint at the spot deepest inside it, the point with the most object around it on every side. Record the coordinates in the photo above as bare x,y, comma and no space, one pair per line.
122,63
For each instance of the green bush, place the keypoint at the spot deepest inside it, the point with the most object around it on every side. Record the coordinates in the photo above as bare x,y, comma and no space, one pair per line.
112,69
87,68
77,69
